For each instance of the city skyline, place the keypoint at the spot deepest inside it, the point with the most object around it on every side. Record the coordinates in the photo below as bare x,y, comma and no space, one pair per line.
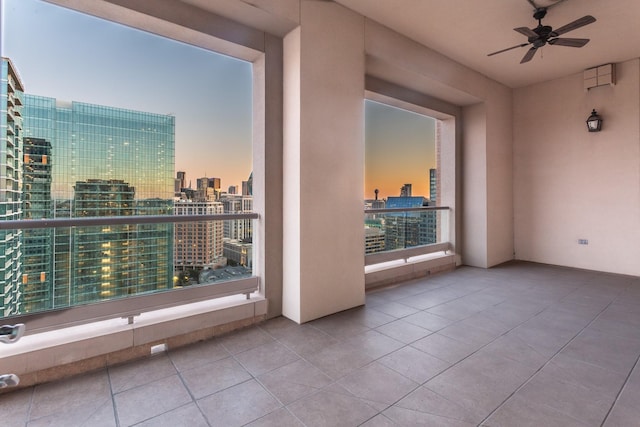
399,149
211,99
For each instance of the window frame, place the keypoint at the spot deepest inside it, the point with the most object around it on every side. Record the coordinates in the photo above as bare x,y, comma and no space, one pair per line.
220,35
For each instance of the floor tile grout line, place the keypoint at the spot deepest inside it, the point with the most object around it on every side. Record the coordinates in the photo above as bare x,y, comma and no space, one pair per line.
456,363
31,401
620,391
184,384
335,381
452,365
630,372
555,302
543,366
113,399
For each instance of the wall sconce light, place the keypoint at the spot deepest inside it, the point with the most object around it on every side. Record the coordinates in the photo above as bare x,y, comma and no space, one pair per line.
594,122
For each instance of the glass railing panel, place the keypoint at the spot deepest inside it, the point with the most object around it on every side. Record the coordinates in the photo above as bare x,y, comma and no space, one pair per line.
388,230
64,263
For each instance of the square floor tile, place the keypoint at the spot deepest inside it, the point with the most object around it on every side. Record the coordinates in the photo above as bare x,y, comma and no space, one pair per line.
307,339
428,321
294,381
14,407
140,372
187,415
568,398
402,331
429,402
521,412
378,383
279,418
70,394
444,348
266,358
96,414
245,339
407,417
150,400
238,405
395,309
197,354
375,344
414,364
213,377
339,359
331,410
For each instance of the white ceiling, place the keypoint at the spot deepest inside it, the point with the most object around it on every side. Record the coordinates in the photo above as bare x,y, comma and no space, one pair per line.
467,30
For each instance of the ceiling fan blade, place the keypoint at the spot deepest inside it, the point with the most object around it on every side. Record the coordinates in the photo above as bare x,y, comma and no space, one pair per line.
526,31
585,20
569,42
529,55
509,48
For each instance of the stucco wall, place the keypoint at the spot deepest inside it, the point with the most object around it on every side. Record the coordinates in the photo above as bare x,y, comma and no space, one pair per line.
571,184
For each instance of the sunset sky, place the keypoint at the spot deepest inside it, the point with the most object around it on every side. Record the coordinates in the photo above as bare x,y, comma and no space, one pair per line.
71,56
399,149
75,57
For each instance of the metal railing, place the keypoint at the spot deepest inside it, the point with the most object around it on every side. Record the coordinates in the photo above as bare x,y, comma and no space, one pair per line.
29,224
127,306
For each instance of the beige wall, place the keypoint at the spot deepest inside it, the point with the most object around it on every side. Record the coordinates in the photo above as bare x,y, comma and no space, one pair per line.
486,206
571,184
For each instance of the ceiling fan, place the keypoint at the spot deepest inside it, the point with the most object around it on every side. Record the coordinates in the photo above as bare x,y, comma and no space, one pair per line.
544,34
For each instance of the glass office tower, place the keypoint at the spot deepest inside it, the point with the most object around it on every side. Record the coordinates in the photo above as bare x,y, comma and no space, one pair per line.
104,161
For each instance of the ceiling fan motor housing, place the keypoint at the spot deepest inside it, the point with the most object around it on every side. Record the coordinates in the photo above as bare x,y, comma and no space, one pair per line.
543,32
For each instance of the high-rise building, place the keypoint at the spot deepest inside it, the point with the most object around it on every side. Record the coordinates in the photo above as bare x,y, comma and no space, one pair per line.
215,183
247,186
202,183
238,252
374,238
239,229
107,249
197,244
105,161
233,189
433,185
405,190
402,230
206,189
182,177
37,277
11,101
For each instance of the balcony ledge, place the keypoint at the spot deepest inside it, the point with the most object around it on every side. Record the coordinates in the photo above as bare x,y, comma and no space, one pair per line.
393,272
52,355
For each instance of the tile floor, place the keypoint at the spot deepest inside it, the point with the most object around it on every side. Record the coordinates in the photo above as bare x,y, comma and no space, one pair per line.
518,345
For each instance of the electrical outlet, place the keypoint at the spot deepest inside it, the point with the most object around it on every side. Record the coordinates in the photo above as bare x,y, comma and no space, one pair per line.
583,241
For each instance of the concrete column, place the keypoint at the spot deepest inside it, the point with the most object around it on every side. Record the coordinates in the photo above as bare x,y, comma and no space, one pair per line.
487,183
323,162
267,171
474,213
